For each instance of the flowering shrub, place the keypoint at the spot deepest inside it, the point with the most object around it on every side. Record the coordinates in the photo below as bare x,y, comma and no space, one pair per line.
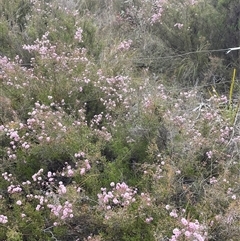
125,45
87,103
190,231
120,196
3,219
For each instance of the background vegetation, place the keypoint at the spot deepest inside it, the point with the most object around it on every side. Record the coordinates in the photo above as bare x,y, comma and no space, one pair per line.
119,120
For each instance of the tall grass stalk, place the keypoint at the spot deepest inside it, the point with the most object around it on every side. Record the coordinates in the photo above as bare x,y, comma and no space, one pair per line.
231,88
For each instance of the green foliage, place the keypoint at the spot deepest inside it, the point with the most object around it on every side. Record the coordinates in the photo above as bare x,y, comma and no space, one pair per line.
90,41
138,230
14,236
98,139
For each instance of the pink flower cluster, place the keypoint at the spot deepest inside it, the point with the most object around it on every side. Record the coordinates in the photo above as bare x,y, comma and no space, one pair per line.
225,134
86,166
13,135
213,180
43,47
68,171
190,231
82,166
6,63
78,35
103,133
62,189
120,196
143,209
149,220
3,219
158,10
97,119
47,51
146,199
125,45
14,189
115,90
62,211
37,176
178,25
7,176
192,2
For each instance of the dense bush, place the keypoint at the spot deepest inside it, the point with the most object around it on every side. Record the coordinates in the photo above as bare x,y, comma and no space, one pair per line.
112,127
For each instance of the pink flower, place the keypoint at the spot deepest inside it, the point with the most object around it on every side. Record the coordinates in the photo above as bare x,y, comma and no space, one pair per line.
209,154
187,234
38,207
198,236
167,207
14,189
148,220
213,180
178,25
78,35
82,171
3,219
184,221
234,197
88,167
193,2
193,226
62,189
174,213
176,232
14,135
49,174
125,45
19,202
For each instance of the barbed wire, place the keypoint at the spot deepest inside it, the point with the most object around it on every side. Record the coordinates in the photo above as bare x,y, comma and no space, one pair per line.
197,86
184,54
227,50
210,84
